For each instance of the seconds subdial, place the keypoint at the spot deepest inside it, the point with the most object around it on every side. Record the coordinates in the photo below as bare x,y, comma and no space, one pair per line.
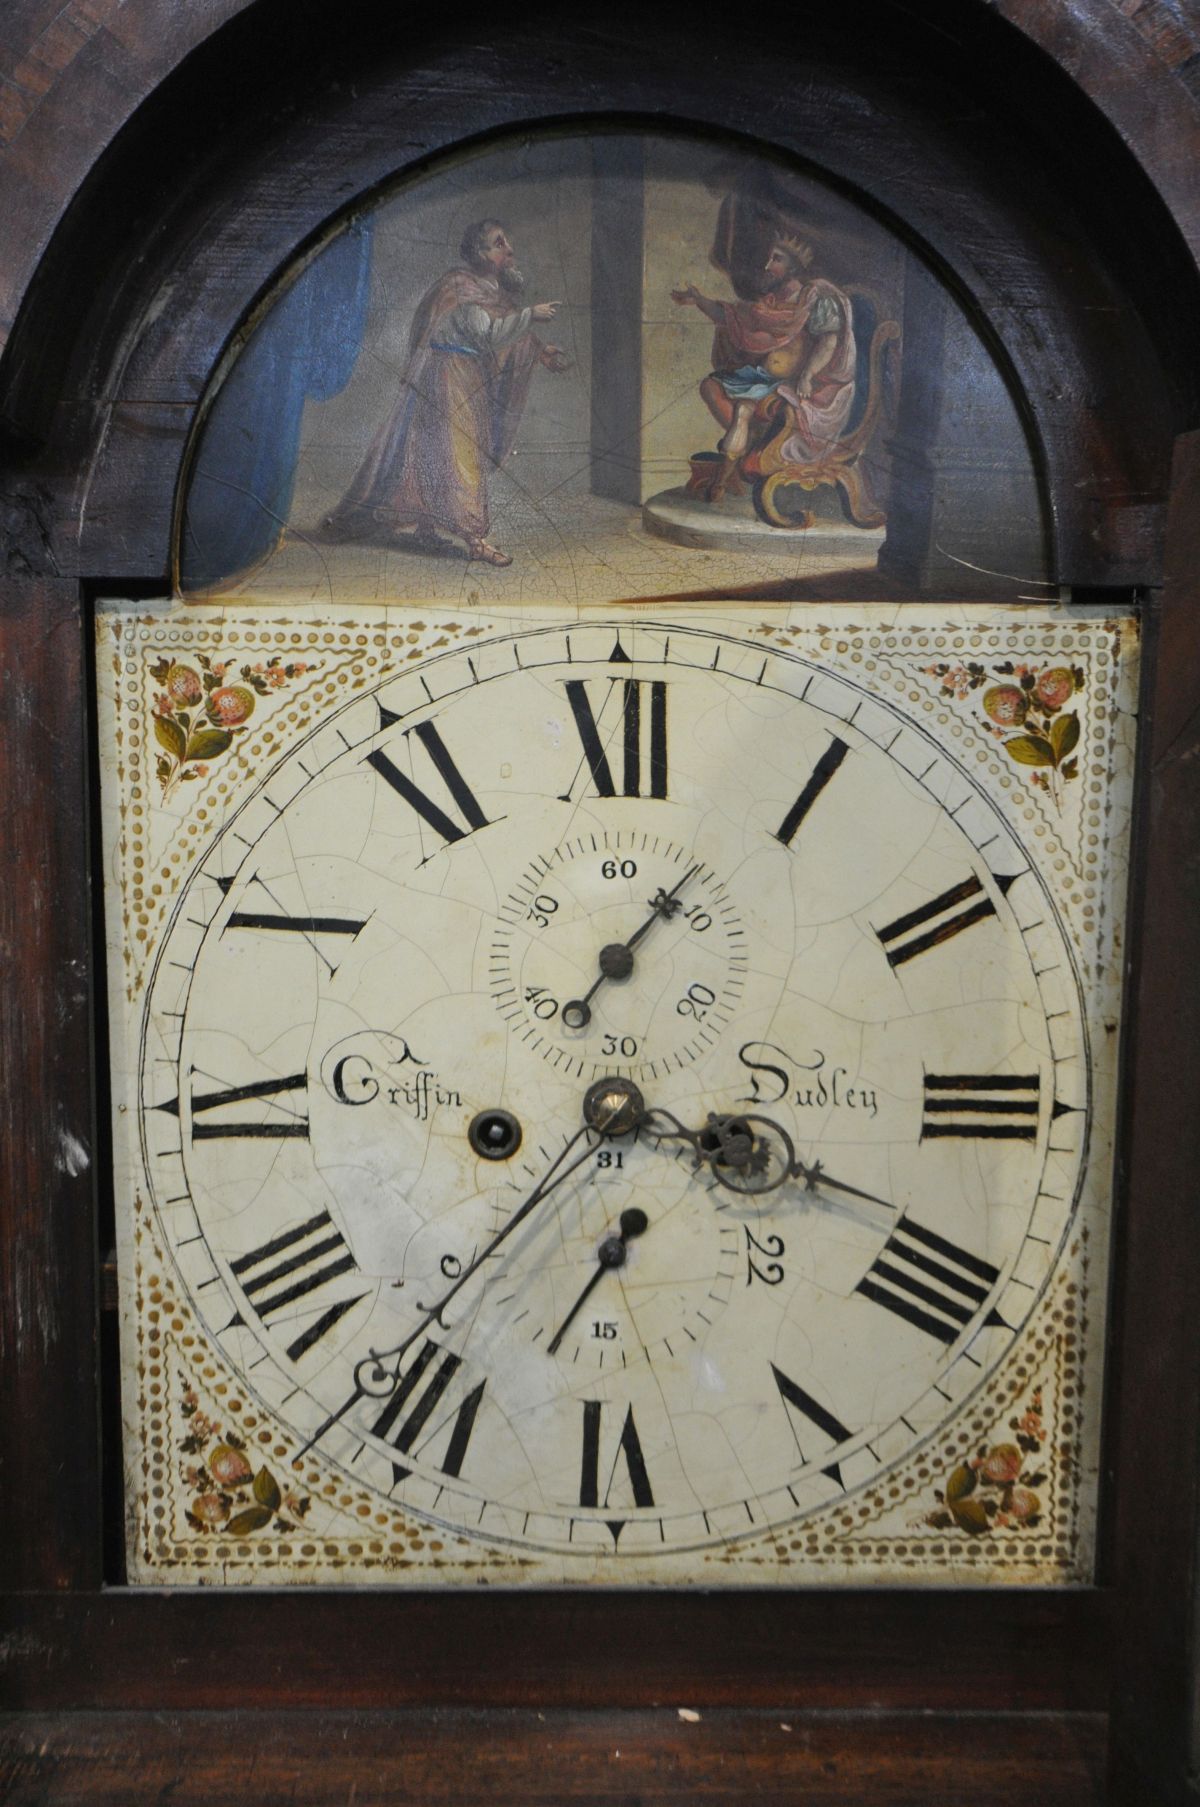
618,952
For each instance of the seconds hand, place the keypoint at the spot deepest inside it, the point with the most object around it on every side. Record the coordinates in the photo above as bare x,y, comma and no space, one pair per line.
616,959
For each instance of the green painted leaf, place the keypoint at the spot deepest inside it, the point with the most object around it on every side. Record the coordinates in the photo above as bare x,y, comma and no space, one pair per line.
252,1519
207,743
266,1490
1030,749
1064,734
961,1482
970,1516
170,735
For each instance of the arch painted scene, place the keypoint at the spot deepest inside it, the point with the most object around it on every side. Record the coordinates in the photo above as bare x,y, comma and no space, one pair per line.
599,367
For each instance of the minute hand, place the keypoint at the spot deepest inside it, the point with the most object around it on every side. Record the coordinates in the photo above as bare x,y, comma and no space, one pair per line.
372,1379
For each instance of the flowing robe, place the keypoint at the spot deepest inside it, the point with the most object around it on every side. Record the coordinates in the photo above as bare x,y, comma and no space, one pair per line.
470,358
761,346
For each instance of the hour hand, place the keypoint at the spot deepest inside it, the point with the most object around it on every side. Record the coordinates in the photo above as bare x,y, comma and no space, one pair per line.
752,1155
747,1154
816,1179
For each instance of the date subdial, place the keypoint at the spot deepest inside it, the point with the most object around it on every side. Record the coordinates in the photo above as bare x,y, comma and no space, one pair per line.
678,1266
661,1005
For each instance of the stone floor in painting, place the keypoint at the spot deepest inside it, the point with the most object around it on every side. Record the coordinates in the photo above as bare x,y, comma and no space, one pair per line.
585,549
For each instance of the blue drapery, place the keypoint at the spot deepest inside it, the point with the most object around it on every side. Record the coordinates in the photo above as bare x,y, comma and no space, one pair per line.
244,474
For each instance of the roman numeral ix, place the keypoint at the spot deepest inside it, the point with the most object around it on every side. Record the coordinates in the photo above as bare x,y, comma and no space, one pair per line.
987,1107
289,1122
929,1281
640,701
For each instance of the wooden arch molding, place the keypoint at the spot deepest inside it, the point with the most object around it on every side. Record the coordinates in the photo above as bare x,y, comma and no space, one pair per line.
251,128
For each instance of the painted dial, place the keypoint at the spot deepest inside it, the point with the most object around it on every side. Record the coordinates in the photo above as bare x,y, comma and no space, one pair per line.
597,1345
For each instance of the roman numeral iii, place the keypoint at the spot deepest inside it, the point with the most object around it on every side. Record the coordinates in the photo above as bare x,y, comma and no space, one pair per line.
640,733
999,1107
929,1281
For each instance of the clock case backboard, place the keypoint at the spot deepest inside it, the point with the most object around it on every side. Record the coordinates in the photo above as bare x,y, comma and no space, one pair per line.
1047,209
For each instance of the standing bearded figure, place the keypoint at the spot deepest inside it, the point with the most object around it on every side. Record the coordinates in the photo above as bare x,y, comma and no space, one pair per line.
794,341
471,356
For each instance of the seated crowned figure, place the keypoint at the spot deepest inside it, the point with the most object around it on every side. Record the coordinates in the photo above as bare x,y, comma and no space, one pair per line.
793,343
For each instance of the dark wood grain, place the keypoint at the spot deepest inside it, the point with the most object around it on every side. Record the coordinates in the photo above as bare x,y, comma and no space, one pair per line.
72,76
222,1647
1155,1392
524,1759
49,1431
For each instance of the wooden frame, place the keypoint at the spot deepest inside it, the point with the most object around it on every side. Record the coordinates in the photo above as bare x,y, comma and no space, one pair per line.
1066,250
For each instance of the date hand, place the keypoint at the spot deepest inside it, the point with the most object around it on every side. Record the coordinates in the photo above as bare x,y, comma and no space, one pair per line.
611,1253
616,959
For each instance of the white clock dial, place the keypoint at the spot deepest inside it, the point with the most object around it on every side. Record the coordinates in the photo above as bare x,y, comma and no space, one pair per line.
723,874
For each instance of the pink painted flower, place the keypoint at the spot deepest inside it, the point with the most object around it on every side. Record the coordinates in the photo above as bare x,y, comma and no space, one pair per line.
1002,1464
210,1508
1023,1504
229,1465
202,771
183,685
276,677
1054,687
1031,1424
162,703
299,667
231,705
1006,704
218,671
